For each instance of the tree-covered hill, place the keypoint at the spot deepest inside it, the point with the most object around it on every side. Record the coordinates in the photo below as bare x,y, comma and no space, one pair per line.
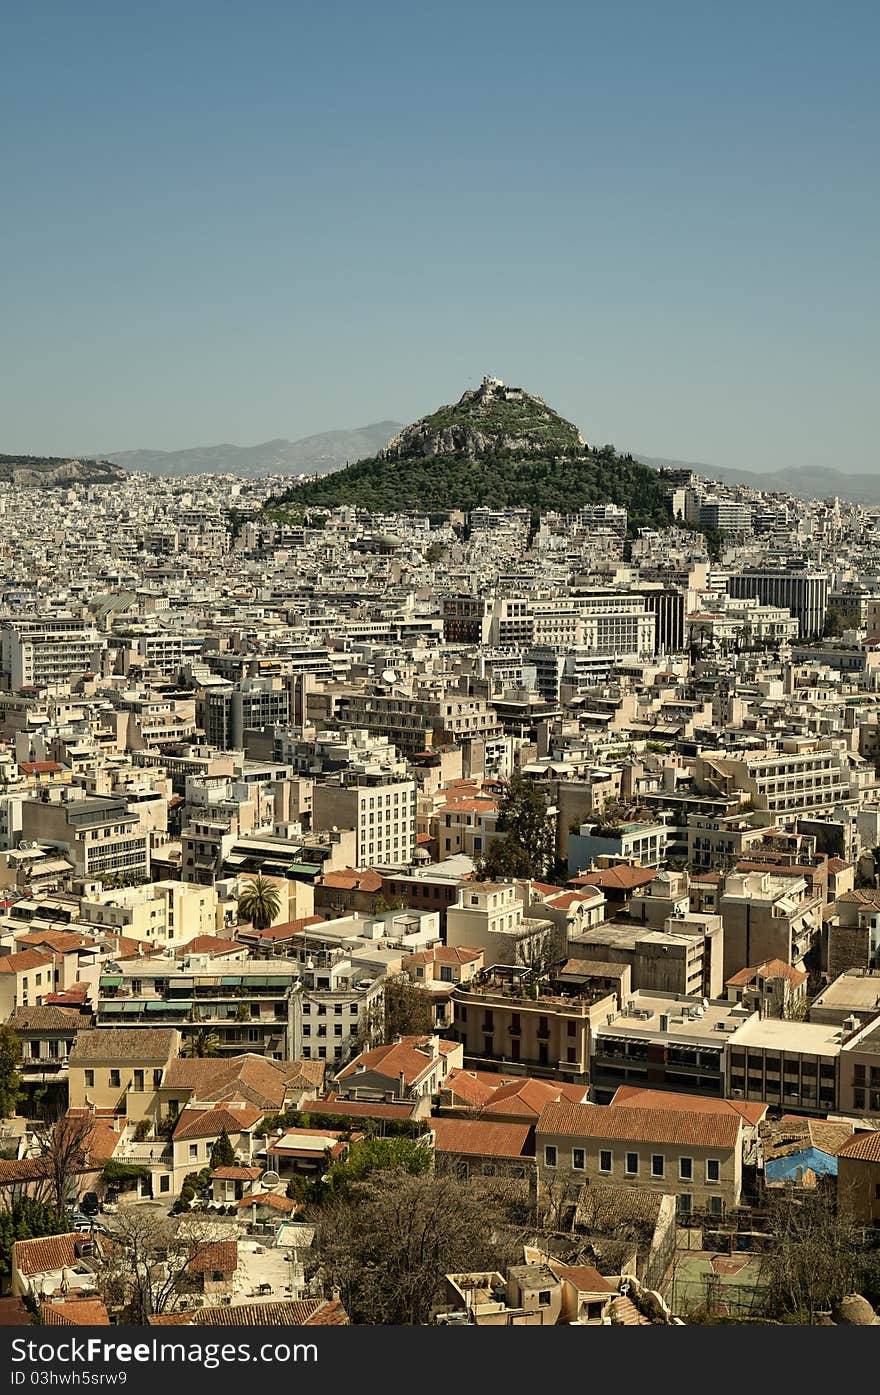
497,447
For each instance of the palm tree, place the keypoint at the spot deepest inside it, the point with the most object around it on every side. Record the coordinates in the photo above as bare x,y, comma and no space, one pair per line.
259,903
202,1042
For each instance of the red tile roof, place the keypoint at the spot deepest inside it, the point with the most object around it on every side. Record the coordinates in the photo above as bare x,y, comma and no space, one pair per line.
220,1256
210,1123
637,1097
478,1139
618,1122
864,1146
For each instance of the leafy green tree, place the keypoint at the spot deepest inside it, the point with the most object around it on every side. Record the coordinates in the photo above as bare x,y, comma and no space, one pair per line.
202,1042
527,848
27,1219
223,1153
409,1010
259,903
10,1080
369,1155
834,623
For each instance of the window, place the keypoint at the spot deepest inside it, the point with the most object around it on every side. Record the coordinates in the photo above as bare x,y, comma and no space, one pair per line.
578,1159
713,1170
139,1080
685,1203
658,1165
605,1160
114,1078
157,1079
632,1164
165,1183
685,1169
90,1079
716,1205
544,1297
193,1151
549,1155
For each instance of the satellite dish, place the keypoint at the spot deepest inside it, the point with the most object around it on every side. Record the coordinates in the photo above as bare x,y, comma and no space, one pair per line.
389,676
270,1179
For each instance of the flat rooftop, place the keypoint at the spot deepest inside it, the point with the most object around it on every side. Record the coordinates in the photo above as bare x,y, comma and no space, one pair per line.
852,990
811,1038
686,1019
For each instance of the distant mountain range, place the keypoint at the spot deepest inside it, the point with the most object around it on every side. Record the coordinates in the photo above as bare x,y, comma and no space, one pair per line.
804,481
329,450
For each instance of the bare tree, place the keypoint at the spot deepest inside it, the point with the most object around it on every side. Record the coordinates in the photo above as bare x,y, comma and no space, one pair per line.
63,1146
816,1254
144,1265
388,1243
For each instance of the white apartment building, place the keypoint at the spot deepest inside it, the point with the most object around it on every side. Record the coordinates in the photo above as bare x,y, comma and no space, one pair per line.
383,817
47,650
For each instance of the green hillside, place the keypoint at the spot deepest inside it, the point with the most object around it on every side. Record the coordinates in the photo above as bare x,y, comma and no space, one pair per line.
497,446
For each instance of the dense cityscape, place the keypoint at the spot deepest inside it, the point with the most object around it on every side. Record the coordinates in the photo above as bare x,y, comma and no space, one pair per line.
459,916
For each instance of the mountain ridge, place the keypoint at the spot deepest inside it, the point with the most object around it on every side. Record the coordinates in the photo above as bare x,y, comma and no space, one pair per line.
320,453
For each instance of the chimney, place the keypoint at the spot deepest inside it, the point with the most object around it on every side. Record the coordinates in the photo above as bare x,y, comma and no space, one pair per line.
401,1085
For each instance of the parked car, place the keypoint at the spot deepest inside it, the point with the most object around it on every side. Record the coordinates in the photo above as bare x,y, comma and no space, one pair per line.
90,1204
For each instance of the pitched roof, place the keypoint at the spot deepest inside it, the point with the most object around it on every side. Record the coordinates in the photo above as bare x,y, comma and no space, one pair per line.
124,1044
210,1123
585,1277
47,1252
622,877
398,1058
617,1122
637,1097
75,1312
864,1146
253,1079
301,1312
349,879
770,968
480,1139
272,1200
220,1256
22,960
42,1018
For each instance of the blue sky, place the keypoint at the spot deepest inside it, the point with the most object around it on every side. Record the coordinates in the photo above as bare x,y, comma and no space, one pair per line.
229,222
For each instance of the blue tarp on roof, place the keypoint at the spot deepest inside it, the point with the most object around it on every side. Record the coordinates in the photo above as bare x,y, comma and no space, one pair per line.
785,1169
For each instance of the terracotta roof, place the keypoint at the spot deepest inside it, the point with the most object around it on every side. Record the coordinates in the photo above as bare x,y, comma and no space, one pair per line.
302,1312
210,1123
124,1044
43,1018
399,1058
253,1079
40,767
209,944
619,878
220,1256
637,1097
770,968
63,941
274,1202
618,1122
349,879
75,1312
864,1146
525,1097
585,1277
362,1109
284,931
479,1139
22,960
48,1252
237,1174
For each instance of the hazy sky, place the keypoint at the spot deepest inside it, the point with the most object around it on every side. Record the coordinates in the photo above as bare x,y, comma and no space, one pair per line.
230,221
